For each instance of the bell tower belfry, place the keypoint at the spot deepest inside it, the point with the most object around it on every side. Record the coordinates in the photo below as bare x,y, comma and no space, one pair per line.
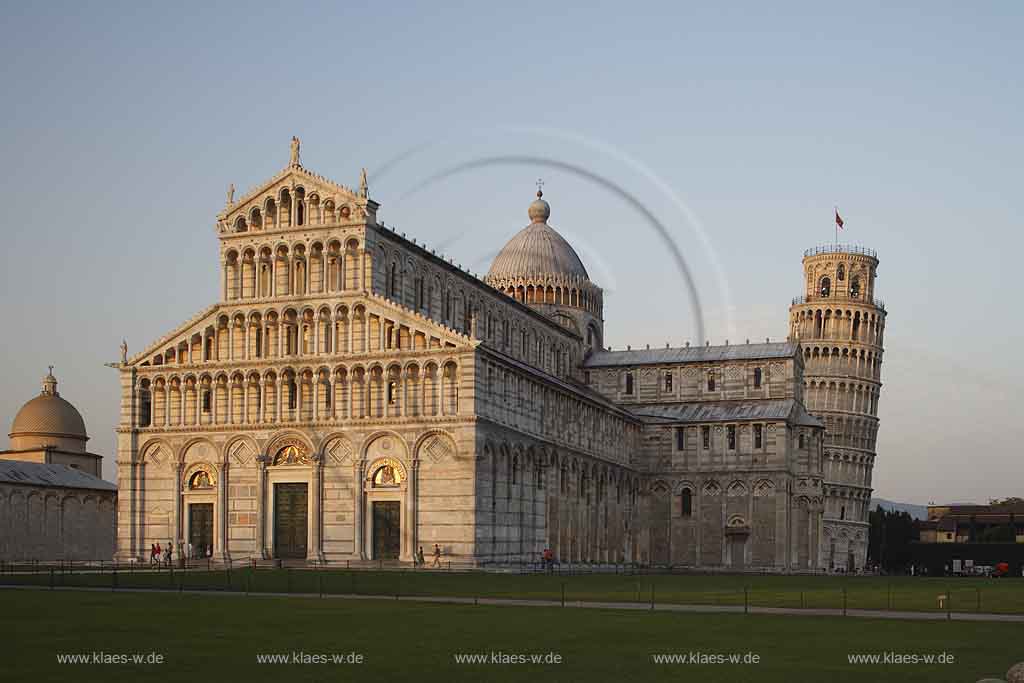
840,324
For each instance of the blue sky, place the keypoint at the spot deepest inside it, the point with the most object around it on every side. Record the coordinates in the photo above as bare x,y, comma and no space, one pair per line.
738,127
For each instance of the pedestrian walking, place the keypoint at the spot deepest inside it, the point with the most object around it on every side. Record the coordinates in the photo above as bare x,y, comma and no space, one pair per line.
169,552
419,560
437,555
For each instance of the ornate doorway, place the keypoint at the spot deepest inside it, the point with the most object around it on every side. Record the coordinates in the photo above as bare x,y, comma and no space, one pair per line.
200,528
387,530
291,514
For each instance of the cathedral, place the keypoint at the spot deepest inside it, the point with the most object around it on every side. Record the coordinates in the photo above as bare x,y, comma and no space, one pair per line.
355,396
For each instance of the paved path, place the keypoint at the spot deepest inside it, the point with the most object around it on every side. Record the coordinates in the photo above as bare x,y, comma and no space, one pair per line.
584,604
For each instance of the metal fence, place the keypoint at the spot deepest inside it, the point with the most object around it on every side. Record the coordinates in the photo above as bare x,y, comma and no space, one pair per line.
556,584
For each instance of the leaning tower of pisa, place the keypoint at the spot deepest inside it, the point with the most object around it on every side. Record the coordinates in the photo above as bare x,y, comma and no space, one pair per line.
840,323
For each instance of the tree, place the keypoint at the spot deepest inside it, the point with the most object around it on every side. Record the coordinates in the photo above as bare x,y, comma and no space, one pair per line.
889,537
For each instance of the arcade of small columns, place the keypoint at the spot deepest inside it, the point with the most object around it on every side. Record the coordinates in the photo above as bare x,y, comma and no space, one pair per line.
535,496
866,327
263,272
556,290
458,301
428,387
849,503
292,206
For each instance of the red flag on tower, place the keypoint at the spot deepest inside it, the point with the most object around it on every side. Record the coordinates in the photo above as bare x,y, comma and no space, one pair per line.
839,219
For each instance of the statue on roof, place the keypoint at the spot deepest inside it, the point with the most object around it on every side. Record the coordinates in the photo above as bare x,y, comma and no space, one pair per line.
124,351
294,161
231,193
364,187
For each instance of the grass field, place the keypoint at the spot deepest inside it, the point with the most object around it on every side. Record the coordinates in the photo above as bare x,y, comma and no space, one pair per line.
208,637
894,593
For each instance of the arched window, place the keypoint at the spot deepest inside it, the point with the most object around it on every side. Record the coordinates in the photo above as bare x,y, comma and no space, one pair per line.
757,378
686,503
826,287
855,286
841,273
711,380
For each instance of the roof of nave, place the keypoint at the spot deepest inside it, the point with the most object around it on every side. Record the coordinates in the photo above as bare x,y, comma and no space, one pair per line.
728,411
42,474
691,354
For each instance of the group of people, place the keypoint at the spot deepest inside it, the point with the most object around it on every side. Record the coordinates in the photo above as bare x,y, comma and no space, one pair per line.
156,553
159,555
419,561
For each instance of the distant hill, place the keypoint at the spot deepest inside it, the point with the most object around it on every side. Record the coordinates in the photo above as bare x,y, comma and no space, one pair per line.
915,511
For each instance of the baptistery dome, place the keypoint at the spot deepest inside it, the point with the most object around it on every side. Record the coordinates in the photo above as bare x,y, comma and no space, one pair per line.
48,420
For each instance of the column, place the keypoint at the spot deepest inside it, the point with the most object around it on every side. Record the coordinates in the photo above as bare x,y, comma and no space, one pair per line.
413,503
178,468
316,397
357,518
316,552
222,516
261,496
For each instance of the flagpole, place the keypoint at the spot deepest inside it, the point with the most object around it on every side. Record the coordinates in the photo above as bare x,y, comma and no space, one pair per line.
834,220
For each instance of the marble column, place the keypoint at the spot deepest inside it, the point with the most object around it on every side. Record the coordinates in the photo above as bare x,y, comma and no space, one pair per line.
261,499
358,523
414,497
178,469
222,517
316,551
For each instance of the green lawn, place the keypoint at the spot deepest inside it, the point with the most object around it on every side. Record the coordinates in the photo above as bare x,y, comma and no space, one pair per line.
210,637
898,593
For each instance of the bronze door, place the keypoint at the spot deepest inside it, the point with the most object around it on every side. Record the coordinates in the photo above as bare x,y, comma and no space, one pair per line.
290,520
387,536
200,528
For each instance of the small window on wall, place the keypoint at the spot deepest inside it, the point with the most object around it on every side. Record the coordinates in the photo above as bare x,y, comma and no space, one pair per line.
758,436
705,435
825,289
801,441
680,439
757,378
842,512
711,381
629,383
841,273
668,381
206,401
586,376
392,393
855,287
686,503
732,437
